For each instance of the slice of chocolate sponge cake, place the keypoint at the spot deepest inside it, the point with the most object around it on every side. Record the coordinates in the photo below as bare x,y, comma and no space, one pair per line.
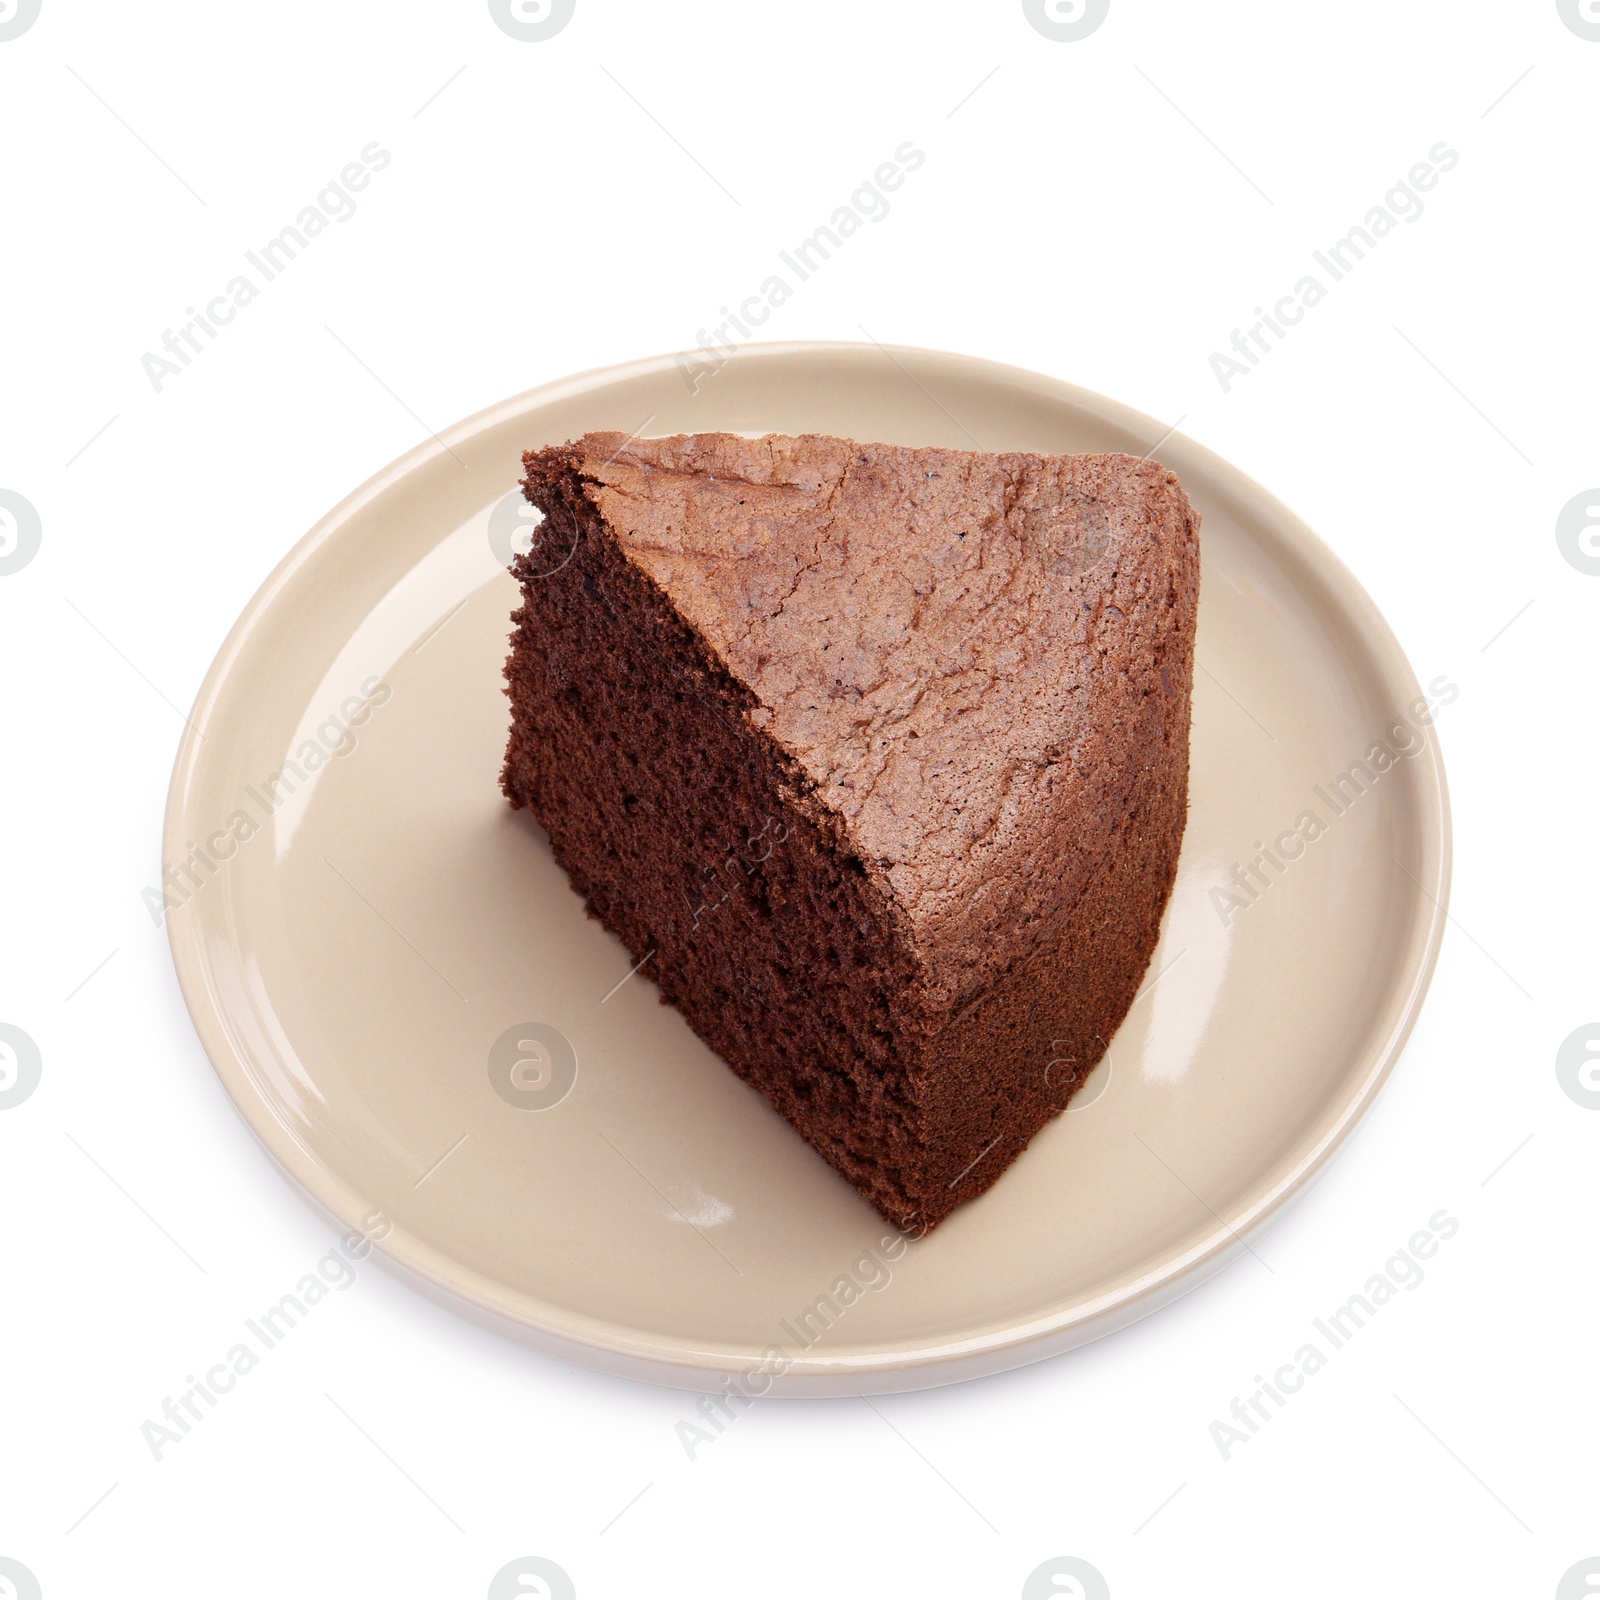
876,758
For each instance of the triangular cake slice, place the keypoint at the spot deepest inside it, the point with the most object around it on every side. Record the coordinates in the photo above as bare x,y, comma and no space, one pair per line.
876,758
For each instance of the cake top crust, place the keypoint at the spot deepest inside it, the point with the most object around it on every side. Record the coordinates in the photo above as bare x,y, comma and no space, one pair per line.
970,655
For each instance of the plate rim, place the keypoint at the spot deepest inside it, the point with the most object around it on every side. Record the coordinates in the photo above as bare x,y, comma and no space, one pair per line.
679,1362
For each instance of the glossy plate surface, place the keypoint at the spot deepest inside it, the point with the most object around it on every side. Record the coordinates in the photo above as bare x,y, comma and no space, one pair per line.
380,934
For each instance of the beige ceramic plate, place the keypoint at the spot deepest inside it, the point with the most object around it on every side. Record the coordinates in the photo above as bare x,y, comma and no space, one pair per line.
354,951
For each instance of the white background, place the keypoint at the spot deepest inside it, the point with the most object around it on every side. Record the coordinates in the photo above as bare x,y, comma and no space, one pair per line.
1430,419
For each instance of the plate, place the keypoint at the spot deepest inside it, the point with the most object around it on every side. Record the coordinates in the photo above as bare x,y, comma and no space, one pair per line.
408,1005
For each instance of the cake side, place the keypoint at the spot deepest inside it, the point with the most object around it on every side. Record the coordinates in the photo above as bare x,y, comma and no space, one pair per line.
1024,1049
701,846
